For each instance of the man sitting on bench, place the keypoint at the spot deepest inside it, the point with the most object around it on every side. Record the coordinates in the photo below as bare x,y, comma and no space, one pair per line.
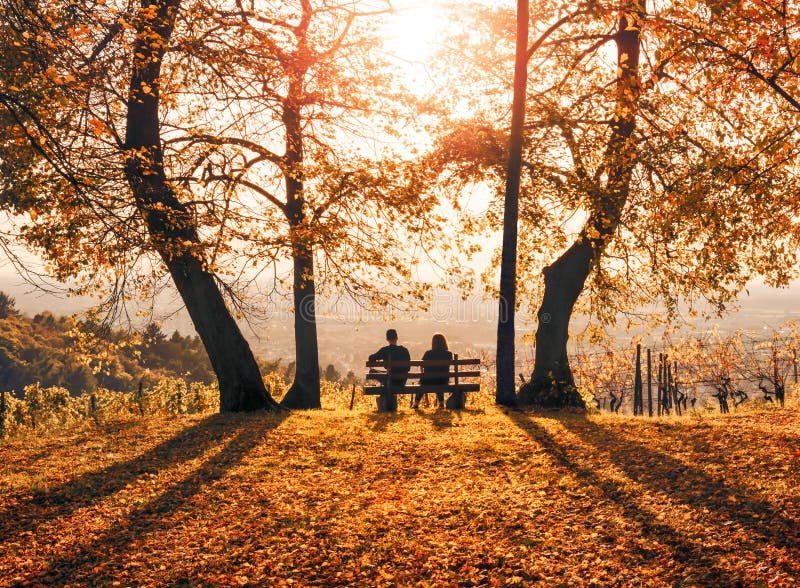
393,352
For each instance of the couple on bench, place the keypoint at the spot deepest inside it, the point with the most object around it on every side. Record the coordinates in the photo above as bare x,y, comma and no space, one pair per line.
434,375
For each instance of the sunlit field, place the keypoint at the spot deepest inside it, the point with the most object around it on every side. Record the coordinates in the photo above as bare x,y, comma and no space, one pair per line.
333,497
240,240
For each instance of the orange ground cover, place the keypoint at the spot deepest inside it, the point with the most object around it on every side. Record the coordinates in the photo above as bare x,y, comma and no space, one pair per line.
433,498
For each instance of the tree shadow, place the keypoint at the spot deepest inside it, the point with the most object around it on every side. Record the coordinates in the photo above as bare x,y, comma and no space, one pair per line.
685,549
692,486
472,410
152,516
92,487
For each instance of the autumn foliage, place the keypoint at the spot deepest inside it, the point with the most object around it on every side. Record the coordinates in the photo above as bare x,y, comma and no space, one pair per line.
198,146
336,498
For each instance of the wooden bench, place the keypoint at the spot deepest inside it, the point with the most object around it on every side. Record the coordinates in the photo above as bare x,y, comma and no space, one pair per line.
387,390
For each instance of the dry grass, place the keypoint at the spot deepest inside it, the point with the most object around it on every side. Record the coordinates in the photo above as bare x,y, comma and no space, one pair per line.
335,497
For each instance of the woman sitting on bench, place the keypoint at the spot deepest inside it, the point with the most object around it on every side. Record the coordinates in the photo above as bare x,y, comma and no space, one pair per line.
435,375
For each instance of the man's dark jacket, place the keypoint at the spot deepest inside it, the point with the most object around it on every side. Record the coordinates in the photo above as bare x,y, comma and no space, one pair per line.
395,353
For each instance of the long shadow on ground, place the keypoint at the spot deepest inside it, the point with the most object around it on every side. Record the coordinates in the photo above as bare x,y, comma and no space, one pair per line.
685,549
691,485
152,516
92,487
380,421
441,418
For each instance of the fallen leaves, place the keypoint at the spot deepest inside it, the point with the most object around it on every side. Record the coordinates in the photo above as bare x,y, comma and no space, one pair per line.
337,498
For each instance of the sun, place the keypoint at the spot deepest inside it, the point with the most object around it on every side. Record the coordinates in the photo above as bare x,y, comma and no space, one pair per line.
412,32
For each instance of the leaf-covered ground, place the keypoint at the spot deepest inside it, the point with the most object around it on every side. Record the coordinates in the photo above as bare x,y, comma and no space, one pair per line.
434,498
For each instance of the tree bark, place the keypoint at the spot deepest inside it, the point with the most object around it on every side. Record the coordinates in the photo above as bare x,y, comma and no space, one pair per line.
552,383
505,393
170,224
305,390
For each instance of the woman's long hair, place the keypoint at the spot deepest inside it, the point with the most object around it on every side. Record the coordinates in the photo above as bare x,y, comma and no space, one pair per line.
439,342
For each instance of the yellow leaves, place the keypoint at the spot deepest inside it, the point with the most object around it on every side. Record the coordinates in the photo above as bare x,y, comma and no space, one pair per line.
592,233
149,12
53,75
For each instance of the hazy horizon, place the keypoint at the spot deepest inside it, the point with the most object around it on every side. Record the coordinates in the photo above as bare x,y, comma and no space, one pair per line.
469,325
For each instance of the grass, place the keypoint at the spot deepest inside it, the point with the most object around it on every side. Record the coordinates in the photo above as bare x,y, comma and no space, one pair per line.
334,497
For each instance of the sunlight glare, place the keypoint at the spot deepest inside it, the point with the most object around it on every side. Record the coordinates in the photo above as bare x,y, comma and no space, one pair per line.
411,32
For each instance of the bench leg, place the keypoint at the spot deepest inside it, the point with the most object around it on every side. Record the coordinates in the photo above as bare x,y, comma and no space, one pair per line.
386,402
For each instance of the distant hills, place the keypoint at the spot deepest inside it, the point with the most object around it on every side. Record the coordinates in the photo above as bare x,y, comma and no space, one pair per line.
80,355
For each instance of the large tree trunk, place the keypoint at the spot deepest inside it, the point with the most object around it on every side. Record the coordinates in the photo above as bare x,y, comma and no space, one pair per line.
552,384
171,226
506,353
305,391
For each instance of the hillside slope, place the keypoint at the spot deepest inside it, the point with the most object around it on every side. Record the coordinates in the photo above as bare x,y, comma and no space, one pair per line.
338,498
81,356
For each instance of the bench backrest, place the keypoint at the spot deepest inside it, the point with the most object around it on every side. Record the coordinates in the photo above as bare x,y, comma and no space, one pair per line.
404,370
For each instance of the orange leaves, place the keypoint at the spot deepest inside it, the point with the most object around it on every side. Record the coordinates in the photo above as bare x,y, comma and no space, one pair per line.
517,500
97,127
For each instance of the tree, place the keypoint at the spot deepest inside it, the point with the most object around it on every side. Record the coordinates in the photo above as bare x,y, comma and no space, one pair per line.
552,383
8,306
331,374
505,393
685,207
171,225
65,58
311,72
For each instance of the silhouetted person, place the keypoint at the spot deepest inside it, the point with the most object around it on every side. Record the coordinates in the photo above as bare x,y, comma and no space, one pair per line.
435,375
398,376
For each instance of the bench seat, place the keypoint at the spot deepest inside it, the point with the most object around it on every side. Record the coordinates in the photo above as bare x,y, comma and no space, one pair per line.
378,390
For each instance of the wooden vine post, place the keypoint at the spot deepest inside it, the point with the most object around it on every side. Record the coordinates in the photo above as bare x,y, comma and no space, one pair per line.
2,414
649,384
660,382
638,408
140,396
667,384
